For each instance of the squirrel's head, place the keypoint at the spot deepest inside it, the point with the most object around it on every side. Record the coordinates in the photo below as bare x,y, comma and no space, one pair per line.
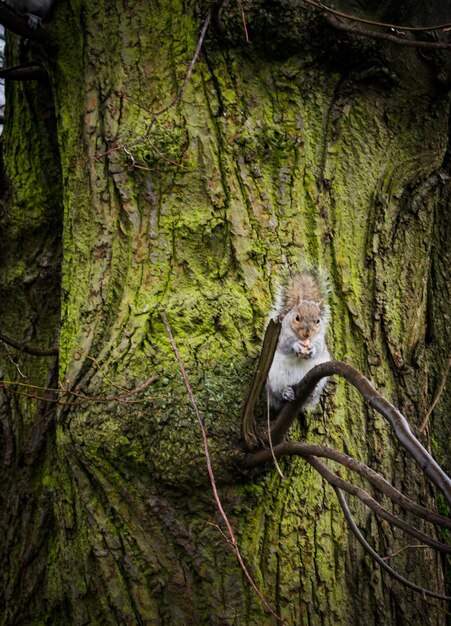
305,319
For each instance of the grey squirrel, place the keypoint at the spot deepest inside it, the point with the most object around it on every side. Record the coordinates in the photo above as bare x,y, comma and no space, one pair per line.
35,10
304,314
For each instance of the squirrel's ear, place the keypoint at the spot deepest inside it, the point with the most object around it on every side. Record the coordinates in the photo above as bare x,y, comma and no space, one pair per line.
298,300
321,305
282,317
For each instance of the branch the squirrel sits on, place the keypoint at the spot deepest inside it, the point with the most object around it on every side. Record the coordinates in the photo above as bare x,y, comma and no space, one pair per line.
302,309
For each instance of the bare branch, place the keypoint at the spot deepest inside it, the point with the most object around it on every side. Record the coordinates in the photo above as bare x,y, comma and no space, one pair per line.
353,526
210,471
24,71
339,484
398,422
308,449
27,349
268,414
100,369
249,430
364,496
373,34
172,104
401,550
355,18
243,18
179,96
123,399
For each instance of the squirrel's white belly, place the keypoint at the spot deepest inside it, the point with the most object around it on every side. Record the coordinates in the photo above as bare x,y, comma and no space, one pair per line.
288,370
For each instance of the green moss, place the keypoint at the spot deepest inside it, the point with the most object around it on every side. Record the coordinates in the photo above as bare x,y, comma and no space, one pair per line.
261,164
264,180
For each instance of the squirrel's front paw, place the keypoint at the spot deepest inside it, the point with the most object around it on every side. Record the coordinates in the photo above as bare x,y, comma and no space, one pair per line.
304,351
299,348
288,393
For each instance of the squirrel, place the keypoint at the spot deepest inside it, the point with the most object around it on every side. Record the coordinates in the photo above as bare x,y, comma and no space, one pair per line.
304,315
34,10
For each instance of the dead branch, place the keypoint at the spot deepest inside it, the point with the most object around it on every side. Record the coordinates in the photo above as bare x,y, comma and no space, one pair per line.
25,71
312,449
375,555
211,473
27,349
122,399
336,481
398,422
355,18
371,503
374,34
249,430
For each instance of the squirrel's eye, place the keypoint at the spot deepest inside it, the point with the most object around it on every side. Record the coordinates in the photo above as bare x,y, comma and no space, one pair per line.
318,320
298,318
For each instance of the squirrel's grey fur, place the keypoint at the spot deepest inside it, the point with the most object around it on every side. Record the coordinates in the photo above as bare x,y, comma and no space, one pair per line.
35,10
304,314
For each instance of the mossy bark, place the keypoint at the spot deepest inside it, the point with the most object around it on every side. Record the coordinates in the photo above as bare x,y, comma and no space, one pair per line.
303,145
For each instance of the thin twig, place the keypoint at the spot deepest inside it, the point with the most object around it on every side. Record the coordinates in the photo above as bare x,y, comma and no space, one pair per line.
210,470
269,437
165,109
99,368
16,365
27,349
363,20
243,18
120,398
221,532
153,147
84,399
416,546
373,34
179,96
440,390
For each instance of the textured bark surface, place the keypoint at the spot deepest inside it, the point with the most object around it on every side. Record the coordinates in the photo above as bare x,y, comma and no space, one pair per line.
306,144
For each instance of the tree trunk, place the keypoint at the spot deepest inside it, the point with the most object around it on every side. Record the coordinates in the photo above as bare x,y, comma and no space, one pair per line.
306,144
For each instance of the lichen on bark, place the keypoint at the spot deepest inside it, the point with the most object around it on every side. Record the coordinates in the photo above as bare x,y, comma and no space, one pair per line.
273,154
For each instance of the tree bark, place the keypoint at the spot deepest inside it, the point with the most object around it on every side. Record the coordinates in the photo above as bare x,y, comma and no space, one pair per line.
306,143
